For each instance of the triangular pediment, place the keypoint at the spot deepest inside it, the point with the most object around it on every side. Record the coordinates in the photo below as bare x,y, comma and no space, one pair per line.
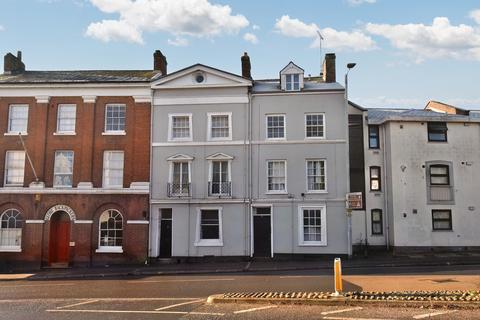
180,157
200,76
291,68
219,156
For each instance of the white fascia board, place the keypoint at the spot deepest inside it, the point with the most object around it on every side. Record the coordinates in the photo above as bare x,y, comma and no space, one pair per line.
160,101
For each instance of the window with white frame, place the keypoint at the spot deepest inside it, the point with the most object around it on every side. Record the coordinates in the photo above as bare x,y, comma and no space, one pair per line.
179,178
277,176
276,126
18,118
312,226
113,163
315,125
180,127
316,177
63,169
11,230
14,168
115,118
220,182
209,227
110,233
219,126
292,82
66,118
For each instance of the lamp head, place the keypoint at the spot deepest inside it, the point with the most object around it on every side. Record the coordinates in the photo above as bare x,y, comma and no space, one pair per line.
351,65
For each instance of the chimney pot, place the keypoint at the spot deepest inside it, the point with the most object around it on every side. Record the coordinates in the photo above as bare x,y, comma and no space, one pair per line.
159,62
19,55
329,69
12,64
246,66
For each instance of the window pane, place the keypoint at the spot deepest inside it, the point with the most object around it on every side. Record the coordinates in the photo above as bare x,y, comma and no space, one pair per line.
14,167
209,224
220,126
18,118
66,118
316,175
180,127
275,127
113,163
276,175
115,117
110,229
312,225
314,125
63,169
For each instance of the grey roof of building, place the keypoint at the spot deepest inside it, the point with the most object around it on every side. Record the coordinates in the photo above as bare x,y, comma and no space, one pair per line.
273,86
83,76
379,116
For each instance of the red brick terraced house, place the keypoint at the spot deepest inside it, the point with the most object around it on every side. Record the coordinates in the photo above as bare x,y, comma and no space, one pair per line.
74,165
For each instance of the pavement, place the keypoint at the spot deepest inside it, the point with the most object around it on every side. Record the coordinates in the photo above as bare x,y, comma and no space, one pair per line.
379,260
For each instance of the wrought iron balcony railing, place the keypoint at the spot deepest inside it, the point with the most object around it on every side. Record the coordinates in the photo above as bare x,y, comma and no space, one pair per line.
178,189
220,189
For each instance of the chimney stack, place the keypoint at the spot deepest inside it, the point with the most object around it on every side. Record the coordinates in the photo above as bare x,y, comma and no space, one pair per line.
159,62
12,64
329,72
246,66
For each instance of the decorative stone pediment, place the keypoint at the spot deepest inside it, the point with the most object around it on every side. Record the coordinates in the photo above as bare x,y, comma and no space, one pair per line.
219,156
180,157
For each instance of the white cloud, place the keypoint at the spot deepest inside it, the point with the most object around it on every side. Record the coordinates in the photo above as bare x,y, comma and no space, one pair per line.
355,40
196,18
1,28
360,2
475,15
256,27
439,40
178,42
250,37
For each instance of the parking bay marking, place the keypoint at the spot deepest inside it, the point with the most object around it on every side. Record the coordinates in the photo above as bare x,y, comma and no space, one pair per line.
347,318
136,311
37,285
253,309
342,310
182,280
77,304
433,314
179,304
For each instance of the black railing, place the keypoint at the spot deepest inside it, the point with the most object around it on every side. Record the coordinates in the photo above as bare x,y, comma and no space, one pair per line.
220,189
178,189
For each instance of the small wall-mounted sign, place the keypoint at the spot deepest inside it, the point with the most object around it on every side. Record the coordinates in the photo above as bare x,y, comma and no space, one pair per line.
72,243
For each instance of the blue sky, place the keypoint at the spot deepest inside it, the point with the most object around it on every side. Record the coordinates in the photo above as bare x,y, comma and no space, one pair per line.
407,51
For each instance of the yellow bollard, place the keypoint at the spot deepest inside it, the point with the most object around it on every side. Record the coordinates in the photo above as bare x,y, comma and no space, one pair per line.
337,265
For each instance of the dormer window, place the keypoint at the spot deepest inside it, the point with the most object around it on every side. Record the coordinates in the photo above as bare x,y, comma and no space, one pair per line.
292,82
291,77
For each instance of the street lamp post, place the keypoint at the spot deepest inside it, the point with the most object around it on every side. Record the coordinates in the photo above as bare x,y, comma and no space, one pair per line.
348,212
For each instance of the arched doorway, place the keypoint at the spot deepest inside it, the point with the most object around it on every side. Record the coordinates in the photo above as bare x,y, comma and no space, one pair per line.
59,239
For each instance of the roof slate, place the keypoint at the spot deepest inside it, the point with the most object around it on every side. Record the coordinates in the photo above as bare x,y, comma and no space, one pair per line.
273,86
84,76
379,116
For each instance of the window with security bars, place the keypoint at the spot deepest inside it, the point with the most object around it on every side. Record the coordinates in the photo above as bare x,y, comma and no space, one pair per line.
220,126
180,127
115,118
113,163
377,222
276,175
209,225
292,82
442,219
66,118
276,126
14,168
312,225
11,223
314,126
18,118
110,229
63,169
316,175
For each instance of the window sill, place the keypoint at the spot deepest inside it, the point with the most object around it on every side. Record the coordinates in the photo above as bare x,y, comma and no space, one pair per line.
65,133
315,138
13,186
316,191
276,192
11,249
180,140
112,187
209,243
63,187
109,250
377,235
312,244
276,139
114,133
442,230
15,133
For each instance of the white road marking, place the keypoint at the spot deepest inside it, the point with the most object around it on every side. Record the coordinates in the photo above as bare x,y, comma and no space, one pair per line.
253,309
135,311
294,277
180,280
38,285
77,304
347,318
342,310
99,299
180,304
433,314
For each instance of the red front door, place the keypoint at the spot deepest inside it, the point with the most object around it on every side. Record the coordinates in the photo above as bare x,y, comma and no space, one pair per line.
59,239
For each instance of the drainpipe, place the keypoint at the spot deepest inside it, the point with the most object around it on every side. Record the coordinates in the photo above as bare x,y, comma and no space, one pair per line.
250,169
385,192
150,219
